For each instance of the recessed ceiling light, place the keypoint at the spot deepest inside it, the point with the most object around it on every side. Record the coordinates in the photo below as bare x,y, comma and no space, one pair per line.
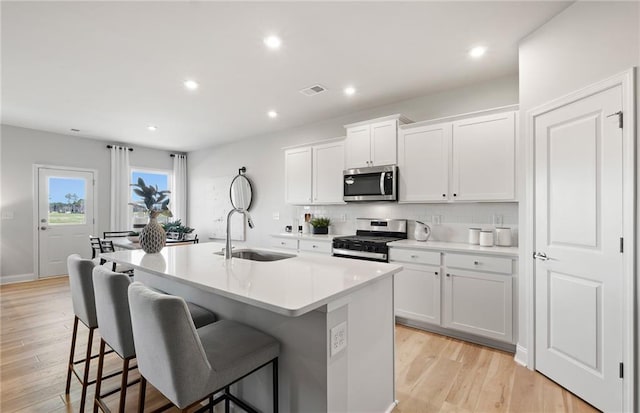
273,42
152,128
272,114
349,90
191,84
478,51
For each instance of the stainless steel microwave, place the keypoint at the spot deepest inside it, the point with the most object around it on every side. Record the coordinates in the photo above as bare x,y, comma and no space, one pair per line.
376,183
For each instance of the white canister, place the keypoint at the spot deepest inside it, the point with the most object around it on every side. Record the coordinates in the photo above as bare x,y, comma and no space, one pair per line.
503,236
486,238
474,236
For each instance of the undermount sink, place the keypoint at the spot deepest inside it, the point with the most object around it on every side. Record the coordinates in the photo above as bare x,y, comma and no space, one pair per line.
256,255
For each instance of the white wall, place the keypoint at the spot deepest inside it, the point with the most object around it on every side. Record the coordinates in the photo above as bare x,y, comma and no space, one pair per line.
587,42
264,159
21,149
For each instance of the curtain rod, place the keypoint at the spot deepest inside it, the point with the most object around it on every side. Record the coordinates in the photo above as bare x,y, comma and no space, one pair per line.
173,155
121,147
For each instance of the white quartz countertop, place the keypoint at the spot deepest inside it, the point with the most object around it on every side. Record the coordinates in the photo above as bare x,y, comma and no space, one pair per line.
313,237
454,247
291,287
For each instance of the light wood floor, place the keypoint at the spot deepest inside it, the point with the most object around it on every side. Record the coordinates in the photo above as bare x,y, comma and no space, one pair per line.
434,373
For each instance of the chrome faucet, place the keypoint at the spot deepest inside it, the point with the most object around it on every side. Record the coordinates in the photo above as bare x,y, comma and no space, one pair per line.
227,249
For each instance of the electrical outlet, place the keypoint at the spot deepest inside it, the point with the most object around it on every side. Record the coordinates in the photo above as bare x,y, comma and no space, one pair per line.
497,220
7,214
343,218
436,219
338,338
276,216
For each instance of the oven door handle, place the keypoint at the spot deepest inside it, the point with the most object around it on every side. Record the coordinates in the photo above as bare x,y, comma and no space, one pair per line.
382,175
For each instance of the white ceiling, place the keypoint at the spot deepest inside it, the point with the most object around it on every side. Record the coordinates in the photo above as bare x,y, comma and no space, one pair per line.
111,69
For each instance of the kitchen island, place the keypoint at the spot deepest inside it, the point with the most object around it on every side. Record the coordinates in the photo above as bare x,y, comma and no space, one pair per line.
334,318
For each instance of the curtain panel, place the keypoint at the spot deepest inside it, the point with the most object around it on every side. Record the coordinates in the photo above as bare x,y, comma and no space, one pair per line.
178,204
119,207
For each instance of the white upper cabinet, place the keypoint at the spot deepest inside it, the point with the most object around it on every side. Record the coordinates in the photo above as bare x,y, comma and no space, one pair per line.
484,158
384,136
373,143
423,162
313,174
328,164
465,159
297,167
358,147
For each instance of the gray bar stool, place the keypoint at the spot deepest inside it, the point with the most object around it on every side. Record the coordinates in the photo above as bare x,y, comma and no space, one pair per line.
84,310
114,319
189,365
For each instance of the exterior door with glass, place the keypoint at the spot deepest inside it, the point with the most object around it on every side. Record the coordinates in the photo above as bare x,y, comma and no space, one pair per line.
65,217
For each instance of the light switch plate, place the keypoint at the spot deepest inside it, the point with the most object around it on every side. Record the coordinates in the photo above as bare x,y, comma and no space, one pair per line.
7,214
276,216
338,338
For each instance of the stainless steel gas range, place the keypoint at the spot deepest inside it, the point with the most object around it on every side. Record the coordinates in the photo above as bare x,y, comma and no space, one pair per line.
370,241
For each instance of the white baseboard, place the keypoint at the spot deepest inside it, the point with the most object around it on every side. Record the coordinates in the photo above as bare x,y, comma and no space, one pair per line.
17,278
521,355
391,407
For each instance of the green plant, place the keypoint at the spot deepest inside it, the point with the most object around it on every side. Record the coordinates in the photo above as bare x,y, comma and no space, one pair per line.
155,202
320,222
176,226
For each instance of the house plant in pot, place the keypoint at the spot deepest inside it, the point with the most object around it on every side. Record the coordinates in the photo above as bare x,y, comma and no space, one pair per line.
155,203
176,228
320,225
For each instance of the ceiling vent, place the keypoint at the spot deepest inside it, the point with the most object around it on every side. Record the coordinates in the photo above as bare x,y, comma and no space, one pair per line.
313,90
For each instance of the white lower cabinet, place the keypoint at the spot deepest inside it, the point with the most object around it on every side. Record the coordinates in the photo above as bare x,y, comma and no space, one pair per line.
469,293
479,303
322,246
417,293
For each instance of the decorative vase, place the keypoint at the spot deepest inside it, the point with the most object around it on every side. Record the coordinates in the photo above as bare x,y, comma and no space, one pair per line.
321,230
152,237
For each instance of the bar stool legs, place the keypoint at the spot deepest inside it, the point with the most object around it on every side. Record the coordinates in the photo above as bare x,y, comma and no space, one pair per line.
84,381
124,383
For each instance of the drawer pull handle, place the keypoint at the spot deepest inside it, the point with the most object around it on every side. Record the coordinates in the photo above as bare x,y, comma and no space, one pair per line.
448,275
476,262
314,246
436,272
414,256
282,243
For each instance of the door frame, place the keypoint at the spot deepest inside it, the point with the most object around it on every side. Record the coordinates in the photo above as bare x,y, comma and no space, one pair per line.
36,207
627,81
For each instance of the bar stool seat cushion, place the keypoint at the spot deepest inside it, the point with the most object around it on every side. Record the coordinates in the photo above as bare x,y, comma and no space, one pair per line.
234,350
200,316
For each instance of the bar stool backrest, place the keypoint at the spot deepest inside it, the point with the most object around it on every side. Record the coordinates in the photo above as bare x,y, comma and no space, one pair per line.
82,296
168,349
112,307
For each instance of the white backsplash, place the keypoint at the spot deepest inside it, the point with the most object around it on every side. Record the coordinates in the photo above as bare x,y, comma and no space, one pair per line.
455,219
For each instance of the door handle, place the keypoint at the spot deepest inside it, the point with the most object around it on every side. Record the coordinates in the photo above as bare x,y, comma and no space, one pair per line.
540,256
382,175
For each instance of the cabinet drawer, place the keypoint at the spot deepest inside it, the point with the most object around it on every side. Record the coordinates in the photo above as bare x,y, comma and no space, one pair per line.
479,263
290,244
315,246
414,256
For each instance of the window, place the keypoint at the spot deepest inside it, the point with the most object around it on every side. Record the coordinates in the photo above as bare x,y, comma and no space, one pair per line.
66,201
159,178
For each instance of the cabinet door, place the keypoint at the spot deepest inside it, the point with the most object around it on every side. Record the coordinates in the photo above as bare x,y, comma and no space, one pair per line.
358,147
384,143
297,171
479,303
328,164
484,158
423,163
417,293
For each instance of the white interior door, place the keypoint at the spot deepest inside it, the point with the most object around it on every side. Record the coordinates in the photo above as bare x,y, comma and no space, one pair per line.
578,226
65,217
